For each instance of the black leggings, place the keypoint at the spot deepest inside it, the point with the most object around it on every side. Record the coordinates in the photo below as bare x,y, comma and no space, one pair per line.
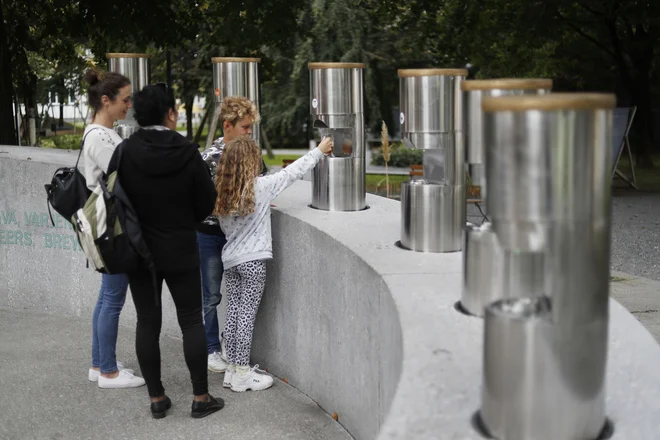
185,288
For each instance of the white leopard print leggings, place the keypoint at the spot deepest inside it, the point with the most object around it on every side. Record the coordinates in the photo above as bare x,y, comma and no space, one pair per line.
245,286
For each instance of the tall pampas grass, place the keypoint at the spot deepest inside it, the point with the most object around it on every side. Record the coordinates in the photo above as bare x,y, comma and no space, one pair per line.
385,145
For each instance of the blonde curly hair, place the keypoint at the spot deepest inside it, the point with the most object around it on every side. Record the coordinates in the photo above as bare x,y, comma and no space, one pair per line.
238,168
235,108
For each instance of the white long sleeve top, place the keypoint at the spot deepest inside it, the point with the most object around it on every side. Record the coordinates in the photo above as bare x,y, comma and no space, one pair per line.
249,237
99,147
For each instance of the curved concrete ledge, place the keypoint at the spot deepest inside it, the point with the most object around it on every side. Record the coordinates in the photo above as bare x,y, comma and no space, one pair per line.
365,329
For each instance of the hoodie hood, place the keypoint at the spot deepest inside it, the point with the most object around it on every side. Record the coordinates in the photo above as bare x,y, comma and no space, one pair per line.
159,152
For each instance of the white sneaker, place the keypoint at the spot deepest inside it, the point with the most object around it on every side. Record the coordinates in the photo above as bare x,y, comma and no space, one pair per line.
223,350
216,364
251,380
93,375
123,380
229,372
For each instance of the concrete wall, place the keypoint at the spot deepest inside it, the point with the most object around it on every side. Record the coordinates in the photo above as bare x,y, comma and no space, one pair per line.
367,330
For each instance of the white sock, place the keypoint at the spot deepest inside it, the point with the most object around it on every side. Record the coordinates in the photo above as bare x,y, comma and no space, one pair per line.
242,370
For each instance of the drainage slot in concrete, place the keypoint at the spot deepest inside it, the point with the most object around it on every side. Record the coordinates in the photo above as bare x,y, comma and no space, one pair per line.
459,307
479,425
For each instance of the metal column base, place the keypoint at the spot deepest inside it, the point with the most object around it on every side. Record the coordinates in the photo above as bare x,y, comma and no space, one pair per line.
432,216
542,380
491,273
338,184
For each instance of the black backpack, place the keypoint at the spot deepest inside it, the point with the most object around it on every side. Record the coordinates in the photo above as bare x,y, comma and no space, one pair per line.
67,191
108,228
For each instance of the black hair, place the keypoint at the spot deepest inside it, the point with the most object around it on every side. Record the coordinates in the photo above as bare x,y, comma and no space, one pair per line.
152,103
100,84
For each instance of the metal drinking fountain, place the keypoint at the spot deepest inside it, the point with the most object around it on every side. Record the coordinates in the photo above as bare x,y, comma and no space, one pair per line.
433,208
548,172
134,66
235,77
490,272
337,110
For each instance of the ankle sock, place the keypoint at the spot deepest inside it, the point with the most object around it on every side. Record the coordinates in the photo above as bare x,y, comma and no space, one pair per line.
242,370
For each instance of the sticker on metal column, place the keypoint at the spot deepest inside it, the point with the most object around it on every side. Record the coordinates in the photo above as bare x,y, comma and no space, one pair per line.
315,103
402,118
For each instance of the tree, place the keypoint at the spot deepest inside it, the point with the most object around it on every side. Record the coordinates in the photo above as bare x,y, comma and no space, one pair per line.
628,32
607,45
8,135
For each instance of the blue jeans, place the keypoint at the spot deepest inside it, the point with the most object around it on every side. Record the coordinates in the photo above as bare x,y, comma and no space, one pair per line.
210,258
105,321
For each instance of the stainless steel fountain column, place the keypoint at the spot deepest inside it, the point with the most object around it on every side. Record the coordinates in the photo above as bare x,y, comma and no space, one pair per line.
337,110
134,66
235,77
549,166
490,272
433,208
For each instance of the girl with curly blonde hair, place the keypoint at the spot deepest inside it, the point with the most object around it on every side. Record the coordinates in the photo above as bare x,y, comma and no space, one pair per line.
243,210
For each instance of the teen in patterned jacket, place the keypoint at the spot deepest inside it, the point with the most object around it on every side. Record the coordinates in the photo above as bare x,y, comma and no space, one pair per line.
238,115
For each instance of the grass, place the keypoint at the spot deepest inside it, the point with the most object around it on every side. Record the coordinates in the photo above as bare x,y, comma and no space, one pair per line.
376,184
279,158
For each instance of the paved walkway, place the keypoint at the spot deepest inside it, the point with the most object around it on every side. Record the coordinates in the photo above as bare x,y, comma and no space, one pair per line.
641,297
45,393
636,233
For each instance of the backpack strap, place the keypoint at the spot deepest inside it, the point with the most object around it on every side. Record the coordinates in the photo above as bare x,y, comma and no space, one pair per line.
82,144
142,250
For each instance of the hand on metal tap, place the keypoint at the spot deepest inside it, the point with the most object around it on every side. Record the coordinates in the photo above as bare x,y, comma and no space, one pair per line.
326,145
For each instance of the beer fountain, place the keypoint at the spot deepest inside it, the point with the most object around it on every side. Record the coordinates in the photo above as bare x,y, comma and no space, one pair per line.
433,208
490,272
337,110
549,174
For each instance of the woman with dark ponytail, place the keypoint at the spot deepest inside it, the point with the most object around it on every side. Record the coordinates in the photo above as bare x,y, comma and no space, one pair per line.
109,96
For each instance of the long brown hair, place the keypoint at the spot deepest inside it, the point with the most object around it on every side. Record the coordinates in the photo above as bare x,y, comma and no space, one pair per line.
238,168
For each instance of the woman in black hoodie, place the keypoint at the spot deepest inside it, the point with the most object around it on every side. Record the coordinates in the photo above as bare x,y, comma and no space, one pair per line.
171,191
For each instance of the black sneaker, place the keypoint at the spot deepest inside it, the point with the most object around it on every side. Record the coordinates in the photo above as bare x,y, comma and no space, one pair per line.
158,409
203,409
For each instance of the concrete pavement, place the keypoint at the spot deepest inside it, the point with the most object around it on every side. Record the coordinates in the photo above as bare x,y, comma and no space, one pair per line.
45,393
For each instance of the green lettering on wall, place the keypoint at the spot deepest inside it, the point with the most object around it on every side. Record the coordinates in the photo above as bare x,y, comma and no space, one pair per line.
27,237
33,219
9,218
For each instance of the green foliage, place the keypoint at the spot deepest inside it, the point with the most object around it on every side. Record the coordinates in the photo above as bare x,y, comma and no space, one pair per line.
61,141
279,159
399,156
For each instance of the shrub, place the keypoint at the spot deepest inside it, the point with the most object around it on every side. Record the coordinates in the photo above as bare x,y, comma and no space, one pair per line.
399,156
45,142
67,141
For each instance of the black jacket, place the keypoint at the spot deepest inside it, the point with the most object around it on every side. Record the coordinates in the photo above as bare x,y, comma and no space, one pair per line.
170,188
